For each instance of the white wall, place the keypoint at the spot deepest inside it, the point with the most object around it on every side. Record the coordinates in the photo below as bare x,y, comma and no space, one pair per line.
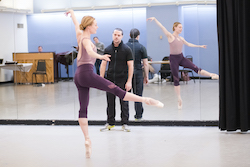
17,4
13,39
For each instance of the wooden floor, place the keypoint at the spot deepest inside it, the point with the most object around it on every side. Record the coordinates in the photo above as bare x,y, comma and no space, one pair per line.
59,101
144,146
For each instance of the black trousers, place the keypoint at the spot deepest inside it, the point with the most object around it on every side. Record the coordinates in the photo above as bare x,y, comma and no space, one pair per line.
111,111
137,85
97,66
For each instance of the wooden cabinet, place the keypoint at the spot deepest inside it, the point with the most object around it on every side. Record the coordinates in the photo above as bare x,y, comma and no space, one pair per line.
26,77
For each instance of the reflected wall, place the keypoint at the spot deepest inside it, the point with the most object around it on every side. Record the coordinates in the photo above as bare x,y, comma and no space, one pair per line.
55,33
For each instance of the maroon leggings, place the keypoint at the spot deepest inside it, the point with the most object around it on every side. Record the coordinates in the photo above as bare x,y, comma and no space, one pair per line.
84,79
180,60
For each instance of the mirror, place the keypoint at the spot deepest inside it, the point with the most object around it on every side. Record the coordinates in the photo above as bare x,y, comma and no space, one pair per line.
55,33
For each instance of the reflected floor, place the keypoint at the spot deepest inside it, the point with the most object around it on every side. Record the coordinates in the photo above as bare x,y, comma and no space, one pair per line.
59,101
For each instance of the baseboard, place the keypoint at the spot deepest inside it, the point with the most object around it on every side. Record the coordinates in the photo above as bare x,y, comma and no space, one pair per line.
131,123
200,77
6,82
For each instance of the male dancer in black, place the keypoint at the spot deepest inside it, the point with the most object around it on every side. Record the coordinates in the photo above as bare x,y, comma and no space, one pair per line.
120,72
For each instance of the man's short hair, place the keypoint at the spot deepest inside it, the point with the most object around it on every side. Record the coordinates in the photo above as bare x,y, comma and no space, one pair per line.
95,37
119,29
134,33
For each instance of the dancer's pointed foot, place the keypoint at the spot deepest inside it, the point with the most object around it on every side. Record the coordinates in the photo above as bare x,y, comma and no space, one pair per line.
215,76
153,102
88,148
179,104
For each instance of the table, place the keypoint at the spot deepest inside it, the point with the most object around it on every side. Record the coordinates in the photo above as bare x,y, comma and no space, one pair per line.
158,62
22,67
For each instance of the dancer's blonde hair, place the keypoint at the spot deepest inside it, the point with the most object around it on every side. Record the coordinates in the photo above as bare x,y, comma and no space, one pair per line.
175,25
86,21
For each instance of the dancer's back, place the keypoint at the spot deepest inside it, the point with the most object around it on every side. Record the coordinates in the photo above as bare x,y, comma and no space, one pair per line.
85,57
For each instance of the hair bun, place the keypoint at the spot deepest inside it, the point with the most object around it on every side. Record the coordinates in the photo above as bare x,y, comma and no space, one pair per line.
81,27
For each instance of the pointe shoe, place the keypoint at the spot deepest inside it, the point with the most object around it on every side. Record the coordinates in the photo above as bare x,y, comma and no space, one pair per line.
215,76
88,149
179,104
153,102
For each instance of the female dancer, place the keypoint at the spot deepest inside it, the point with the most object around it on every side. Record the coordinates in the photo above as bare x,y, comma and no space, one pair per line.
176,57
85,78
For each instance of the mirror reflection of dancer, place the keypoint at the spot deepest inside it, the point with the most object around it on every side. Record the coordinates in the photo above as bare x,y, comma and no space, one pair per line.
176,57
85,78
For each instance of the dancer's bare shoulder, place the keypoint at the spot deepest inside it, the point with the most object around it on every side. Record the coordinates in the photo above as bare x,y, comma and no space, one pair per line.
171,38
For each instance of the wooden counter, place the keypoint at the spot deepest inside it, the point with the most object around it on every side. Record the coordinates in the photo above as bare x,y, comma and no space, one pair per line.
33,58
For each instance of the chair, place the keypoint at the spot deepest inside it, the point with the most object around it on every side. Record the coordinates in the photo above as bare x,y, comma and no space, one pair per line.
186,70
165,70
41,70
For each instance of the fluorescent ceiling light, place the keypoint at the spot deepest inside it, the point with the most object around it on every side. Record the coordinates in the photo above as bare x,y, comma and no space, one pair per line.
5,9
130,6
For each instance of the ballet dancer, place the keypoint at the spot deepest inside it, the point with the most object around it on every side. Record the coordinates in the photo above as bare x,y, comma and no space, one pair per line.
85,78
176,57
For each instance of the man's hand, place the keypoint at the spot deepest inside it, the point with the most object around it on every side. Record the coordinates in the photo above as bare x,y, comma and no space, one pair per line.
128,86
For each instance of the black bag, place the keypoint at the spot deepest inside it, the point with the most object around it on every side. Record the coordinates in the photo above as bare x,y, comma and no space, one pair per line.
185,76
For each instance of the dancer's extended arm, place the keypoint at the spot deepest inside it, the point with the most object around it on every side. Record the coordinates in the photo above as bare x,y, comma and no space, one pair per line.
166,32
192,45
86,43
77,28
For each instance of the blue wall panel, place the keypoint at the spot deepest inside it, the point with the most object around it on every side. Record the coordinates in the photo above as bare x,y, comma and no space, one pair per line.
199,27
56,33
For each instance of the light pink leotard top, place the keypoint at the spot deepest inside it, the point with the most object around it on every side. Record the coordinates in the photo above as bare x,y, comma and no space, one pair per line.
176,46
85,57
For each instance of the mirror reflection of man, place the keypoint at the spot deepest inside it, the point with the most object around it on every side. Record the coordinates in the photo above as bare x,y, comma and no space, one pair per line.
100,50
40,49
140,55
120,72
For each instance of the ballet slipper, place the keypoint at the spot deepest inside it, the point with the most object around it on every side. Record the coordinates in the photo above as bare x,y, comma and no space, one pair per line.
153,102
88,148
179,104
215,76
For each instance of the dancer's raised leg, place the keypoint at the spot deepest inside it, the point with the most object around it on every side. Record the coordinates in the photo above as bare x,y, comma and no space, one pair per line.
149,101
208,74
83,122
178,93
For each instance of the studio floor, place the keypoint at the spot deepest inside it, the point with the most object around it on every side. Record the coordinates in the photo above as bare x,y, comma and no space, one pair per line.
144,146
